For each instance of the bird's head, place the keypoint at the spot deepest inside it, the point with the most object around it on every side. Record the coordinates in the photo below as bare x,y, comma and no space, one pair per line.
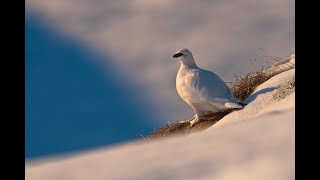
185,57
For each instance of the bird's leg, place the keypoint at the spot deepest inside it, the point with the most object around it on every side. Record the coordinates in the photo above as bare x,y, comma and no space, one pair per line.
198,117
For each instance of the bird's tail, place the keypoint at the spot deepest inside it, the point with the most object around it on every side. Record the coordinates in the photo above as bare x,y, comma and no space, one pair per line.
232,105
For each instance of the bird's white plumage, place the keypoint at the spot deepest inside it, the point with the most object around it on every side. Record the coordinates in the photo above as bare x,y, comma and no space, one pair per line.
201,89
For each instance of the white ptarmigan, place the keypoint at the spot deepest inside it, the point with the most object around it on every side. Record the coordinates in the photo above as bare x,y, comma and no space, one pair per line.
201,89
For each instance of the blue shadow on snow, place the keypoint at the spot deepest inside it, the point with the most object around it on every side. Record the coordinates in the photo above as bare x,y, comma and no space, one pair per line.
253,96
72,103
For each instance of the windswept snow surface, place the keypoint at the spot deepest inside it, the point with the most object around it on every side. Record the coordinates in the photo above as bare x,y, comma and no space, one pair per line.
284,64
257,142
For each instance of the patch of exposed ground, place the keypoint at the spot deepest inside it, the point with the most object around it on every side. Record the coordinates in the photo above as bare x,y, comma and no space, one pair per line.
184,128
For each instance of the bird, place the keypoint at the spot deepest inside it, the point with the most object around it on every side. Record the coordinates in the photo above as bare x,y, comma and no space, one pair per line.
201,89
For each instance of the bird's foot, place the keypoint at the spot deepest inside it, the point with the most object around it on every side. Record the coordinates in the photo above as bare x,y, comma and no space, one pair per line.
193,122
197,118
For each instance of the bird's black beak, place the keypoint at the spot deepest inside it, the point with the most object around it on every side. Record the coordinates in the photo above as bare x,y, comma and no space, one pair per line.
177,55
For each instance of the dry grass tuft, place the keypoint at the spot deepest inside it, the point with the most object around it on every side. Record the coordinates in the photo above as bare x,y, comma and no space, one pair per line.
246,84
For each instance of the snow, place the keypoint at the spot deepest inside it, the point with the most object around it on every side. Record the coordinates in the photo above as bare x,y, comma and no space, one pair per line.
282,65
257,142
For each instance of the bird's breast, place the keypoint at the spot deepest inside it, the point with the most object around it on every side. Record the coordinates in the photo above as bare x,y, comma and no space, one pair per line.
187,87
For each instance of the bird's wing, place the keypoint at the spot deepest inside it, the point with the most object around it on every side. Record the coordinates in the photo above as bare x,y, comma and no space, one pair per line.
204,86
213,86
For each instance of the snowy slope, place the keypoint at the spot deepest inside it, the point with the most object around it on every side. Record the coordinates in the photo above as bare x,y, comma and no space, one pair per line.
254,143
